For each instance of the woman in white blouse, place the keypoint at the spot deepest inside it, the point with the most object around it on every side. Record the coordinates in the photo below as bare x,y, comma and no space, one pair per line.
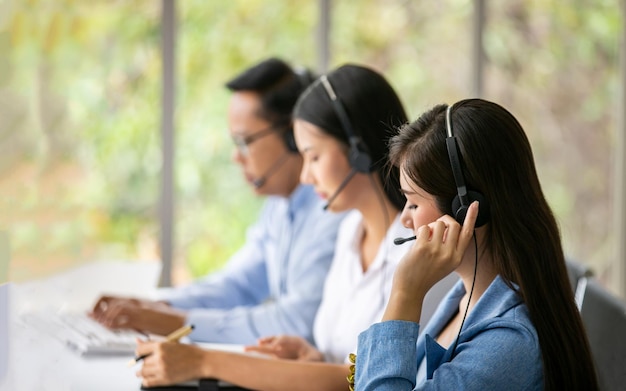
342,125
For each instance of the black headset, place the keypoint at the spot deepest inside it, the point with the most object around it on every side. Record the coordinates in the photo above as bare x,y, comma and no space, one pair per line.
464,198
359,157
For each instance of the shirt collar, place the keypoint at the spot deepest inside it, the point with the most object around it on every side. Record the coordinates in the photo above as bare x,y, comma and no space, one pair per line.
387,250
298,200
497,299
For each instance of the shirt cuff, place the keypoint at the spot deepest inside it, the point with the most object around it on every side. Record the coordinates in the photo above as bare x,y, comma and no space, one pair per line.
387,354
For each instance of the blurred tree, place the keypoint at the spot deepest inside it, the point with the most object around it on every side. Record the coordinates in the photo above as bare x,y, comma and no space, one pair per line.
83,82
80,99
556,65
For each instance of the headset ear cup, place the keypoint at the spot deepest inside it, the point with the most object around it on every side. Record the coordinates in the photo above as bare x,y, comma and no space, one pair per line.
290,141
361,162
460,211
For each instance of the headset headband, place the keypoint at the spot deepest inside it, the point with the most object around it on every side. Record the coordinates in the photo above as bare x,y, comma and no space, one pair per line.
360,159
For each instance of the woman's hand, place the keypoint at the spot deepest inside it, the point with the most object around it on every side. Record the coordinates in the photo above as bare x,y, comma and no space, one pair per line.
438,250
287,347
143,315
170,362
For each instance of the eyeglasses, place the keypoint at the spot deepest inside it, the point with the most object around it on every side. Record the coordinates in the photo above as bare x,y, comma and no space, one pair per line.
242,143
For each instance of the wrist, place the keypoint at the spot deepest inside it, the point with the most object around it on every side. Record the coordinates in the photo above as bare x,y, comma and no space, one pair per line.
173,322
404,306
180,319
207,369
315,355
165,323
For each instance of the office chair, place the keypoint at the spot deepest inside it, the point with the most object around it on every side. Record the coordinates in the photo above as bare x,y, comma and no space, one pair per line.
604,317
575,272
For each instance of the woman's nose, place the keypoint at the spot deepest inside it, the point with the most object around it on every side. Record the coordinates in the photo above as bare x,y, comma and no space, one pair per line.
305,177
406,219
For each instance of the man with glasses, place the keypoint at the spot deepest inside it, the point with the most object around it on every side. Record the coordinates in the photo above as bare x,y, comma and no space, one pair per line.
274,283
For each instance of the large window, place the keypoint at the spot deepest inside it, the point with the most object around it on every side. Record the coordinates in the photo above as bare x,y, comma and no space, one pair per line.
79,87
80,108
217,40
554,65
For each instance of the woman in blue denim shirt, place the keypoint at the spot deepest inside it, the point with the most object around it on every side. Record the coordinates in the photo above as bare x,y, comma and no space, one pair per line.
511,323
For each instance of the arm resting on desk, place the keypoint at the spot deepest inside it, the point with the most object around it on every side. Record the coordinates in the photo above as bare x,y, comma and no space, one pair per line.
137,314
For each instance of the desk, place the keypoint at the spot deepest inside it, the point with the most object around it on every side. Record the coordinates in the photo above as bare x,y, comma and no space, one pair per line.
38,362
41,363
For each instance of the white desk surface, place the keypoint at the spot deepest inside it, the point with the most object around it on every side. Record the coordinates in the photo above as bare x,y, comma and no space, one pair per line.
38,362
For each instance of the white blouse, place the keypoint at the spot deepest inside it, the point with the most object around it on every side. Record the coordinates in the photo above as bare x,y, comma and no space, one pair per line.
353,300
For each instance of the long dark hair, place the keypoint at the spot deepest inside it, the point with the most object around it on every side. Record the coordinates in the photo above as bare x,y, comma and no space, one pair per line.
374,110
522,234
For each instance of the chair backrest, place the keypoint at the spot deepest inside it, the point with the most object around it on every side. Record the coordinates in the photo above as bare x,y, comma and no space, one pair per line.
575,272
604,317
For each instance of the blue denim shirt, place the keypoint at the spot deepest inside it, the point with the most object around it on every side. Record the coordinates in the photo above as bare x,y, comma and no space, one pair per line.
498,348
273,284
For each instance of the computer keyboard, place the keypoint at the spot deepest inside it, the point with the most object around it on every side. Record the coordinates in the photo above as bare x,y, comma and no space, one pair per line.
83,334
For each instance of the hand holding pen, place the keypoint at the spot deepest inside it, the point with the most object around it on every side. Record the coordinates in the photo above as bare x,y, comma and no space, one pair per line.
171,363
172,337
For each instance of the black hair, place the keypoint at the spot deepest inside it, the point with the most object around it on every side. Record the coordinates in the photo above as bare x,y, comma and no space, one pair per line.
278,85
374,111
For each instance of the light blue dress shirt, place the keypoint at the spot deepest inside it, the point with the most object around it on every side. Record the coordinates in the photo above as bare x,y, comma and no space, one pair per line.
273,284
498,348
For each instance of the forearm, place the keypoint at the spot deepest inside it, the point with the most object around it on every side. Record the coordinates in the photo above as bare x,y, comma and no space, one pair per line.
224,289
404,306
245,325
270,374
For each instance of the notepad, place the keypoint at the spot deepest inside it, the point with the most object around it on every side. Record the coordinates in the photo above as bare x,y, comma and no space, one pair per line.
199,385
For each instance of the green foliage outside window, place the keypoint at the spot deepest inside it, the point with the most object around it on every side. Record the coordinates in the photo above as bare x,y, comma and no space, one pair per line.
80,90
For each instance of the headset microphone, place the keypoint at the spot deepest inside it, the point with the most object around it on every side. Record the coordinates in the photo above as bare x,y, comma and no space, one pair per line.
399,241
257,183
341,186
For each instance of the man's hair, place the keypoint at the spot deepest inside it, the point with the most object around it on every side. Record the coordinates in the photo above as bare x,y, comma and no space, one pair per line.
278,86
